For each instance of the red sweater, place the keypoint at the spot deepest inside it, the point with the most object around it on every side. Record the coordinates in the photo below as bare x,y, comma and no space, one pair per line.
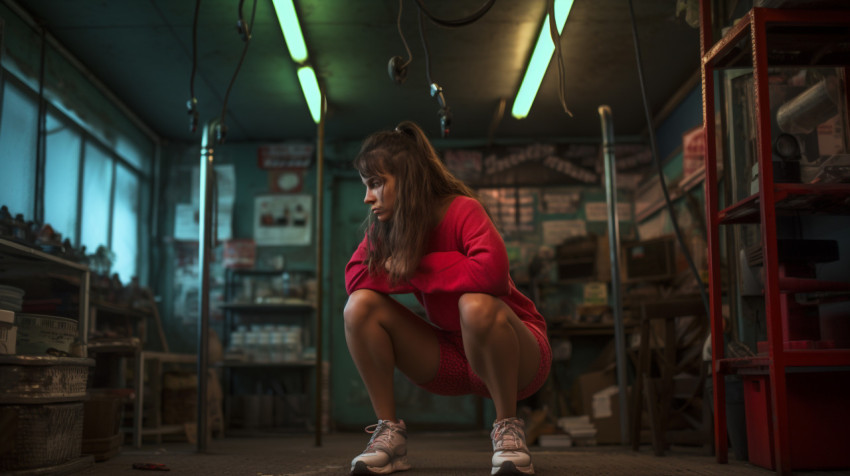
465,254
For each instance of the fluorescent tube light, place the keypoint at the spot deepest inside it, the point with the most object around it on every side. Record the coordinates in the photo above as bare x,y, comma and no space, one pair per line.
288,20
539,62
312,93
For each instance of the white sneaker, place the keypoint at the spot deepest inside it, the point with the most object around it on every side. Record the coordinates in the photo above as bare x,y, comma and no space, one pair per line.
386,452
510,453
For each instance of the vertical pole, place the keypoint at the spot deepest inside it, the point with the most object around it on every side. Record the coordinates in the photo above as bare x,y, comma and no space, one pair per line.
767,206
614,249
712,204
204,252
320,195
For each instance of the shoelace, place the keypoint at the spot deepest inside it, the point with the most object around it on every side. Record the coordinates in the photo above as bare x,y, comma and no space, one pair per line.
381,435
507,435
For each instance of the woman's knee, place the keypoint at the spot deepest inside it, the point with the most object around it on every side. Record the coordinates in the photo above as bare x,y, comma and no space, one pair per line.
360,306
479,312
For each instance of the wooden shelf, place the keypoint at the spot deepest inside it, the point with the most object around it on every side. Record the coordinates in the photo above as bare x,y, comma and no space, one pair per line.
104,307
585,329
17,250
291,305
238,364
123,345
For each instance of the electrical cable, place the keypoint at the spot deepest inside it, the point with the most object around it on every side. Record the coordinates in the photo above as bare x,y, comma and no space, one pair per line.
192,104
556,39
41,138
444,112
2,77
222,128
243,28
668,202
401,34
425,47
460,21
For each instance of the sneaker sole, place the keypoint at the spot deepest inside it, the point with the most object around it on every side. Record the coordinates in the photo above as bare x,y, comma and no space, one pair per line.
508,467
398,464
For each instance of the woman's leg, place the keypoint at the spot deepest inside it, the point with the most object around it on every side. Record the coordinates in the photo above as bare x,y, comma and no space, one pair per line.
382,334
501,350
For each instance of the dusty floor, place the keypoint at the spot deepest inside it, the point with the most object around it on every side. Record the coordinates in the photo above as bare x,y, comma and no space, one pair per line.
457,453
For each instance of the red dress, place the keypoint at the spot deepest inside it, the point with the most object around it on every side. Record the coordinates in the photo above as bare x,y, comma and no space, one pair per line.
465,254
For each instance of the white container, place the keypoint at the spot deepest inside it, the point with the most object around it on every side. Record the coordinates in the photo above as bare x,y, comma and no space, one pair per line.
8,338
251,345
7,317
8,332
37,333
277,347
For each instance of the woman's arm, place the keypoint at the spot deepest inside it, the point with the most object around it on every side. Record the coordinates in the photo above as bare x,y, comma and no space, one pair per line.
481,267
357,275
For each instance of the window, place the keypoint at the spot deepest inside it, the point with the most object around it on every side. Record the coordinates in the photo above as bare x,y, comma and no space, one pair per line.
18,129
61,177
97,193
125,223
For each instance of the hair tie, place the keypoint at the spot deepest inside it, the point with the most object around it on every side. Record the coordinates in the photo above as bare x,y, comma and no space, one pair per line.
405,131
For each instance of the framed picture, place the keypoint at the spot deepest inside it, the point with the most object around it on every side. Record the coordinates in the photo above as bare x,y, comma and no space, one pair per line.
283,220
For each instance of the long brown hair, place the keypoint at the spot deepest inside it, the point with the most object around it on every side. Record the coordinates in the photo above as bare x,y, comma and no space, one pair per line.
422,182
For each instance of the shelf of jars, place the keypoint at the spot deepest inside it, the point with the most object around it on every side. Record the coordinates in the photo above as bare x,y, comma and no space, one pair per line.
270,355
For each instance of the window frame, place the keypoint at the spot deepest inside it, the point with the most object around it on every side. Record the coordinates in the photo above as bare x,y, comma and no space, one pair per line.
145,198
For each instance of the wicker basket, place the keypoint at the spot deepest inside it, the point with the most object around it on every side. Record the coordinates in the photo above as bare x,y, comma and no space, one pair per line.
38,436
43,379
38,333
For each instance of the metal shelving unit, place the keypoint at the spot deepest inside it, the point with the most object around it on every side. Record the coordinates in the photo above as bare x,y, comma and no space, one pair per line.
792,375
19,261
238,311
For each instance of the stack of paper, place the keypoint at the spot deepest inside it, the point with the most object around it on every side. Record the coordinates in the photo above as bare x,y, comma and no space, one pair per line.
580,429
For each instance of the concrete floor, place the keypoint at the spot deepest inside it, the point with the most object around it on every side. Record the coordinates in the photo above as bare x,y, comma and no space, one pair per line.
454,453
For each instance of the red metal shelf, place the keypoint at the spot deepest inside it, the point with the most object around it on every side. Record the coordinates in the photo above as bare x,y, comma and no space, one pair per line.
761,40
808,285
817,358
796,38
792,198
734,365
793,358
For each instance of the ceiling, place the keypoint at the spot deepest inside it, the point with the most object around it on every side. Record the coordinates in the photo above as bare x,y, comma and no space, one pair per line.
142,51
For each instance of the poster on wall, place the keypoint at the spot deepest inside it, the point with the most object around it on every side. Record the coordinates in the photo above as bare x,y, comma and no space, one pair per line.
282,220
187,215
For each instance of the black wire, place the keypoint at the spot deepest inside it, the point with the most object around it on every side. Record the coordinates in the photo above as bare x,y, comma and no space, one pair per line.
41,139
2,74
238,65
556,38
194,50
661,178
425,47
460,21
403,40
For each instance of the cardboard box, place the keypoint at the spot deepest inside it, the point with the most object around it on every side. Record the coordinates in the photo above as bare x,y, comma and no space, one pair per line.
591,382
606,415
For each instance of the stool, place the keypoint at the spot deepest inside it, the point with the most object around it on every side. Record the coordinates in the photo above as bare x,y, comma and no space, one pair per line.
658,392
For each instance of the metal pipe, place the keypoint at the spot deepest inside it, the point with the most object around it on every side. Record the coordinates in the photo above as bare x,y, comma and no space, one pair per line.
614,250
320,194
204,251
